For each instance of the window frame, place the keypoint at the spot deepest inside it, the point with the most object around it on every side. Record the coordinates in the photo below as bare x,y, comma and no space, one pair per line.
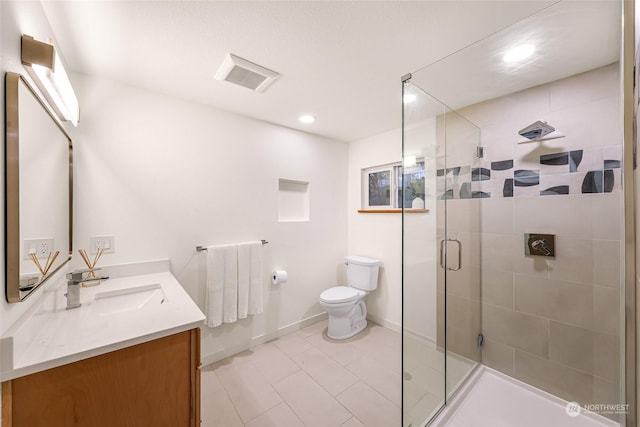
396,174
366,172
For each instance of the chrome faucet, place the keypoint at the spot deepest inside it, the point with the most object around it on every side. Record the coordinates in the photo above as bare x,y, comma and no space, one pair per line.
74,281
541,246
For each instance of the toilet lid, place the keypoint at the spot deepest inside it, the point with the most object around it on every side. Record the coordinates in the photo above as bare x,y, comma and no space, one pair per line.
339,294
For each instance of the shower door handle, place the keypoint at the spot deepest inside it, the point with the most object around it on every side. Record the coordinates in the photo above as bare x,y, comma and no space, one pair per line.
459,255
442,258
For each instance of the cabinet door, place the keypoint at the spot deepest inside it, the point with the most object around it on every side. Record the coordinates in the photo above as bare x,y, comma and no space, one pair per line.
150,384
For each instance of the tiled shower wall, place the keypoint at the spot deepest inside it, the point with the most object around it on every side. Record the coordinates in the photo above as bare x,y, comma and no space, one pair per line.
554,323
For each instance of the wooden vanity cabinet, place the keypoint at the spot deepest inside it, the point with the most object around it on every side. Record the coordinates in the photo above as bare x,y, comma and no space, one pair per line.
156,383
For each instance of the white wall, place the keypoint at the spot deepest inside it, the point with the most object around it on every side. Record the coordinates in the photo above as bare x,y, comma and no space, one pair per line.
377,236
380,235
164,175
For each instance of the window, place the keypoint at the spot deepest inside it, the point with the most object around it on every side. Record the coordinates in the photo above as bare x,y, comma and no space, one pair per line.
377,187
382,186
414,185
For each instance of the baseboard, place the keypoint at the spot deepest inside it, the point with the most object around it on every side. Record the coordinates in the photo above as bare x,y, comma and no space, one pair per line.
261,339
384,322
422,339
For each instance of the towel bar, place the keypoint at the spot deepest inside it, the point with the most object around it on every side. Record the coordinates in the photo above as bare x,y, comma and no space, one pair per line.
204,248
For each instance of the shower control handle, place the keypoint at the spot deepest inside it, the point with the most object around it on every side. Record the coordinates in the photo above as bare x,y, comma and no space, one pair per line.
541,246
537,244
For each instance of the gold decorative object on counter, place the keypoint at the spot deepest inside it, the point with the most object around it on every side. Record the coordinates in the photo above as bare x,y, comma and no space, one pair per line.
50,260
91,265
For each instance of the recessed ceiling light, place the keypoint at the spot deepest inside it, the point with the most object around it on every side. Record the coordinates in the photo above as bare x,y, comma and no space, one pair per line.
519,53
307,119
409,97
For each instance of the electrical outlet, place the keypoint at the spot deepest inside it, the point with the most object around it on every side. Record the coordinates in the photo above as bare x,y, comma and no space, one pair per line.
41,247
106,243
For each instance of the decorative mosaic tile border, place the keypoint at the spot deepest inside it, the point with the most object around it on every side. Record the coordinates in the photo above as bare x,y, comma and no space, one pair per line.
587,171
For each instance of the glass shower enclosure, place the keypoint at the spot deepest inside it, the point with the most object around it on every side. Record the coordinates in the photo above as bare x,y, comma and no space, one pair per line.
441,254
554,322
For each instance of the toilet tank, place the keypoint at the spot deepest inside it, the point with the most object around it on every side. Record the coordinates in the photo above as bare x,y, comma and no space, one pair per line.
362,273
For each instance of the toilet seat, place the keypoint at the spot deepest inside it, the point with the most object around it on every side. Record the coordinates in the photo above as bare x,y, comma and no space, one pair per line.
339,294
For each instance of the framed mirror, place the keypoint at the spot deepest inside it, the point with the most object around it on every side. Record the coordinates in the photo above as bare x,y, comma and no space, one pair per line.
38,191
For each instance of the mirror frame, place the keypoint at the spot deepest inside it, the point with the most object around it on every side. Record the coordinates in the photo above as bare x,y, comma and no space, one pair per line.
12,188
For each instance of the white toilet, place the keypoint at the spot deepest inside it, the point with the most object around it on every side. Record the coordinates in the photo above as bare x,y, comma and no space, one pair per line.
345,304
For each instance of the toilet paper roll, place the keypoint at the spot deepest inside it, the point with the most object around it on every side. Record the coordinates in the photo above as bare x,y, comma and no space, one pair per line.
278,277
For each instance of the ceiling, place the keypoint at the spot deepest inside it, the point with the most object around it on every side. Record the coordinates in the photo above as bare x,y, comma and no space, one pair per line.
340,61
570,37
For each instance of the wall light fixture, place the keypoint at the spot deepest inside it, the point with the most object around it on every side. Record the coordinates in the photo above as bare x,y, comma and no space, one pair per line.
45,68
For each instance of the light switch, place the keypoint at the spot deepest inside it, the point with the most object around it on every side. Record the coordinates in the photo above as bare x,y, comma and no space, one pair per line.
106,243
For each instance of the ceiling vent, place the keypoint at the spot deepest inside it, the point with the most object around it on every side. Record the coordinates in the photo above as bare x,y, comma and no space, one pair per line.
245,73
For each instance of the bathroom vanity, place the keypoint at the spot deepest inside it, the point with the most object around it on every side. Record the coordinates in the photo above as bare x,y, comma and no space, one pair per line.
129,355
155,383
123,353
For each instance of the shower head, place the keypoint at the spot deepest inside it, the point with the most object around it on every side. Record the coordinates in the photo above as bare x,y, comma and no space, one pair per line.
536,130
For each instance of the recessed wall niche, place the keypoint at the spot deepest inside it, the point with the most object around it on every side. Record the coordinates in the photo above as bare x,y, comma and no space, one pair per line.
293,201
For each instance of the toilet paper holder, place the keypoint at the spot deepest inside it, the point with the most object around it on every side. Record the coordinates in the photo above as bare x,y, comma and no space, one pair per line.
278,277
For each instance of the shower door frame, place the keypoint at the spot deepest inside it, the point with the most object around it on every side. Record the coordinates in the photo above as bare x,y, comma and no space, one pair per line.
630,98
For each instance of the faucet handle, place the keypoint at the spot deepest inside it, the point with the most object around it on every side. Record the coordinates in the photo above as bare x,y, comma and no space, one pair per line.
76,275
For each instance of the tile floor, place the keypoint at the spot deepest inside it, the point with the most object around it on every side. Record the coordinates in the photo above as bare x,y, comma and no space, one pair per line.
424,379
305,379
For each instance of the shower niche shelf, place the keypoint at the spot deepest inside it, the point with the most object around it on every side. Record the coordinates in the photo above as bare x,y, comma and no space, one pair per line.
293,201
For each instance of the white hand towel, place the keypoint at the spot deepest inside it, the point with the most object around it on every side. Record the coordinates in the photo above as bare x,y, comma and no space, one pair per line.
244,278
230,291
256,281
215,284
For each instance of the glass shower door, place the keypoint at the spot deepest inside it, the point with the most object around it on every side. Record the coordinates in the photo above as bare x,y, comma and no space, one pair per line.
460,181
441,254
423,321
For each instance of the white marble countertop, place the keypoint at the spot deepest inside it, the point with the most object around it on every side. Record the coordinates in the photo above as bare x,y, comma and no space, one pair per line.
49,335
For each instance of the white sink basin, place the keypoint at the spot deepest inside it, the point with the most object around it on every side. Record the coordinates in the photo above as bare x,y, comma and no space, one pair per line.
127,300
